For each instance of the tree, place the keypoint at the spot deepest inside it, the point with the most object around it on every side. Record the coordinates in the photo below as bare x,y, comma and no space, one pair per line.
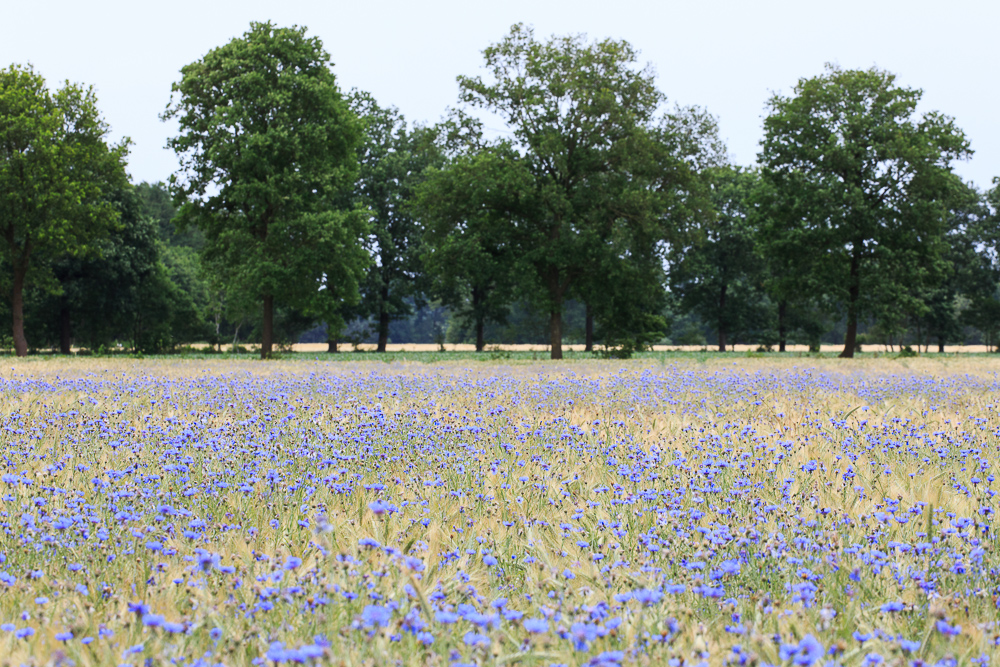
392,159
969,275
56,171
572,108
859,188
629,311
467,209
266,146
186,301
101,292
976,266
719,273
158,205
657,197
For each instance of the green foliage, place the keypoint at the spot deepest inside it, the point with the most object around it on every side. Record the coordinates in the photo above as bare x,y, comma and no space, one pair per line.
267,145
56,173
158,205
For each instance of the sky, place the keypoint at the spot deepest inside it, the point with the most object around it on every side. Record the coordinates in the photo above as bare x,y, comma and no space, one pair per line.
726,56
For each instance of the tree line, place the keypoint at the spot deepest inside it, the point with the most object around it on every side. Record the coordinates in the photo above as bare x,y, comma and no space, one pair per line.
297,203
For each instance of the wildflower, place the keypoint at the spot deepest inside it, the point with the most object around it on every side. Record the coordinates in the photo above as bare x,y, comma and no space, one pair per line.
647,597
475,639
536,625
947,630
607,659
807,652
445,617
138,608
207,561
584,633
152,620
376,616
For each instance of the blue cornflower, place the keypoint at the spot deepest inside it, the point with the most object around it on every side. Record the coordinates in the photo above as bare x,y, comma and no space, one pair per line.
152,620
948,630
476,639
536,625
376,616
806,652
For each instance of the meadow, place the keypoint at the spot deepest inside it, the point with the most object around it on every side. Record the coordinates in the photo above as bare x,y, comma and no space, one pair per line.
723,510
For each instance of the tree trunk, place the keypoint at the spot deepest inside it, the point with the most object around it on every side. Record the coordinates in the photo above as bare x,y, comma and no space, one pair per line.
383,330
782,333
854,292
477,303
555,333
589,330
331,345
941,344
556,289
218,334
480,334
267,333
722,318
17,308
65,339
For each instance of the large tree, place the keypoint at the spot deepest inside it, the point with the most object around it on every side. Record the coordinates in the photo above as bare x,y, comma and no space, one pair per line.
573,109
719,273
101,292
860,186
267,145
657,197
976,266
467,210
57,171
392,158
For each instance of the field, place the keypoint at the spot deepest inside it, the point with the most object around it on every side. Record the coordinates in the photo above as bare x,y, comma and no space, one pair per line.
727,510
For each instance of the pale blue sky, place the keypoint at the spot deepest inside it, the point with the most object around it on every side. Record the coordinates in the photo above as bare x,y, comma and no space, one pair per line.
727,56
